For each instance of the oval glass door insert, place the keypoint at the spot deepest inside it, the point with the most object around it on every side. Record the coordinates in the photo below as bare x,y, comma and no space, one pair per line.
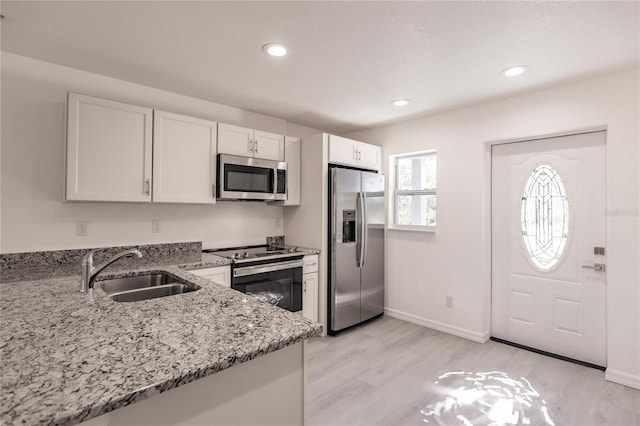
544,213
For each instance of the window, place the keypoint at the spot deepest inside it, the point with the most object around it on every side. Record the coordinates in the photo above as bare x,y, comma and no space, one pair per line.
544,214
414,190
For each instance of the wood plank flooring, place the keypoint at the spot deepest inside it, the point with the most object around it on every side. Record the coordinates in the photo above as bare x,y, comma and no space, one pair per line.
385,372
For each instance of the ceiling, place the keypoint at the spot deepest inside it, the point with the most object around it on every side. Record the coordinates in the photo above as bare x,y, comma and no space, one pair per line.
348,60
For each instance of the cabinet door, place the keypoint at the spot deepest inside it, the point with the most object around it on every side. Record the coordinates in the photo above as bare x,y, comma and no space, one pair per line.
310,296
235,140
292,150
268,145
220,274
184,159
368,156
108,150
342,150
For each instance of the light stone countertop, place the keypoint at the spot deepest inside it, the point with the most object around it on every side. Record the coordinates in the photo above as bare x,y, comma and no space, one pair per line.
66,359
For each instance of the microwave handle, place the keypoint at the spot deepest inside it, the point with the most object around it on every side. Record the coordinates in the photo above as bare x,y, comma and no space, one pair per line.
275,181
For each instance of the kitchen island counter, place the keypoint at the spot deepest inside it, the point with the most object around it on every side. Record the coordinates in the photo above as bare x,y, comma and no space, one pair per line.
67,358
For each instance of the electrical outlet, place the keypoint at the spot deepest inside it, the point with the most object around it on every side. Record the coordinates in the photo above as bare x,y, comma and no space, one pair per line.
155,225
82,228
449,301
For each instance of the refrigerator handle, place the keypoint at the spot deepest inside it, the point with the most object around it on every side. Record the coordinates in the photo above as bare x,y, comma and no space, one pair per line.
365,229
358,230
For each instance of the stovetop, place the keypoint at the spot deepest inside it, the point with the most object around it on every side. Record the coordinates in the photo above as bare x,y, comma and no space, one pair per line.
254,253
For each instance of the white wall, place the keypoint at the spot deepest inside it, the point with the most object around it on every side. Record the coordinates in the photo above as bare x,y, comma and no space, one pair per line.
33,215
422,268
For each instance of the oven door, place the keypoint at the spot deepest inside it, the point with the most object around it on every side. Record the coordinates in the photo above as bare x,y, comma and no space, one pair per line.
279,284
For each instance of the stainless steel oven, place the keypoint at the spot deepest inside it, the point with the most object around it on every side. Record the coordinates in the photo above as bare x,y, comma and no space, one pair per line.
247,179
273,275
277,283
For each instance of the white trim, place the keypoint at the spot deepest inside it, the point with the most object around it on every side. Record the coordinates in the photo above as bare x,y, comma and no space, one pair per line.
593,129
440,326
622,378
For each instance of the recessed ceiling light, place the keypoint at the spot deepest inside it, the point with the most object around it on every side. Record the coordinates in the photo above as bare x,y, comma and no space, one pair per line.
400,102
275,49
513,71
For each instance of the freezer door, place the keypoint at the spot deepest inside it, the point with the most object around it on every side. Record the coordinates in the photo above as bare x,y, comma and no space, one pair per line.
345,274
372,272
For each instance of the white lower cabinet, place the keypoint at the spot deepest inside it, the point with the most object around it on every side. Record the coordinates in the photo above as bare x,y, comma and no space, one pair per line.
310,296
219,274
310,287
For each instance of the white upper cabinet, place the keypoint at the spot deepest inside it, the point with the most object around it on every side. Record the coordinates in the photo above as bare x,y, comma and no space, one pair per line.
292,151
354,153
369,156
184,159
108,151
268,145
245,142
235,140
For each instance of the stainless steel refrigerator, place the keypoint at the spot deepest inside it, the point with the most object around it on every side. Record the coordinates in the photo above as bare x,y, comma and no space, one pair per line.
356,261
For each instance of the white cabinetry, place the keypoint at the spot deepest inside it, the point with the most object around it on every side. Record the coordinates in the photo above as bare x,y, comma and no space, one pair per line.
310,287
353,153
219,274
184,159
108,151
245,142
292,149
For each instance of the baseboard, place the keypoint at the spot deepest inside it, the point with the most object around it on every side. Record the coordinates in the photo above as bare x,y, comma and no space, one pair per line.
440,326
622,378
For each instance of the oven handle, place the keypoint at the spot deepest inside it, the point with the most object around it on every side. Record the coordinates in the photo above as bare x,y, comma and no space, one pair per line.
259,269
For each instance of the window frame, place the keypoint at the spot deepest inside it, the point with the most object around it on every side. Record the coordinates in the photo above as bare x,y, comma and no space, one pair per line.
395,193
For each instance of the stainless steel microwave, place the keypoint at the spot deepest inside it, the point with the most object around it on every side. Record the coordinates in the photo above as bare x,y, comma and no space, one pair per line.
251,179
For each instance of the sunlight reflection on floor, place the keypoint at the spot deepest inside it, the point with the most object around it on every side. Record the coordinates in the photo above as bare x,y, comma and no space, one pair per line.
491,398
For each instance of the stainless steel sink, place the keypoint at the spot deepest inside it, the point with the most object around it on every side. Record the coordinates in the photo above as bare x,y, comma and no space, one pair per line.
143,287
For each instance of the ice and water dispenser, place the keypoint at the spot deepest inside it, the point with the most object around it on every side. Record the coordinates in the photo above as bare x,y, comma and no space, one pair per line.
348,226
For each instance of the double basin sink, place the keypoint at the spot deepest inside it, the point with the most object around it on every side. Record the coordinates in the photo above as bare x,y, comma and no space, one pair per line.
143,287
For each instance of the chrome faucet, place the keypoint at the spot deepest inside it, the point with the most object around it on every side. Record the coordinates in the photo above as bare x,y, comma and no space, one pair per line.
89,272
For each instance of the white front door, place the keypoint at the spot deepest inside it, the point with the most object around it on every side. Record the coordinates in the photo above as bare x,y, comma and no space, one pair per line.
548,236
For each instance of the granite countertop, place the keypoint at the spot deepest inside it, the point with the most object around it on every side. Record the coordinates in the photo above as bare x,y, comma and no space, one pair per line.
66,359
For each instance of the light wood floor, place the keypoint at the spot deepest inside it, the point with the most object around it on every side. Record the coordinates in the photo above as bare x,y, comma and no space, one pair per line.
384,373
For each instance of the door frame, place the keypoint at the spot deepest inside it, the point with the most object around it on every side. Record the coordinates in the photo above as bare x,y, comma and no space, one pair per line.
487,213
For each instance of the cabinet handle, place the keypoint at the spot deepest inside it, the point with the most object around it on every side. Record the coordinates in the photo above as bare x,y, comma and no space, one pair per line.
256,144
305,287
250,145
147,186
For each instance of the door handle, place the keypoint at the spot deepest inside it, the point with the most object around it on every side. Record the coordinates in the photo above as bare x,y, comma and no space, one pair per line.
598,267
